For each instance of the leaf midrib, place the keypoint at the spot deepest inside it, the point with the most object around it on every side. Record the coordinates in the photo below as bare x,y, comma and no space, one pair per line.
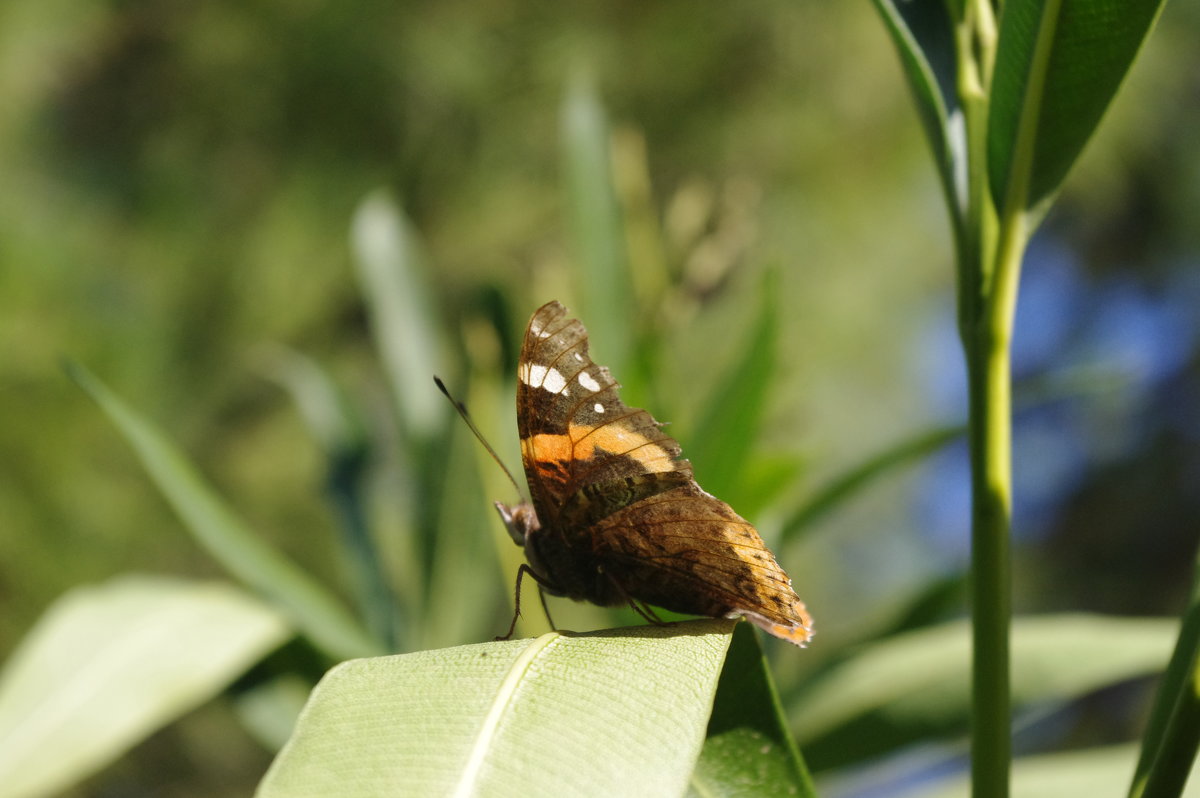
503,700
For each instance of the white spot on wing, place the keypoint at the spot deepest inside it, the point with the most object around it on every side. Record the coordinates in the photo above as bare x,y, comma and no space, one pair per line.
536,376
599,408
578,357
588,381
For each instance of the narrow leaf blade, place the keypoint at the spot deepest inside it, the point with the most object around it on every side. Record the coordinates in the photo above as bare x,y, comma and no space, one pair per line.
228,538
928,672
1173,731
1083,773
845,485
731,422
605,295
924,38
392,274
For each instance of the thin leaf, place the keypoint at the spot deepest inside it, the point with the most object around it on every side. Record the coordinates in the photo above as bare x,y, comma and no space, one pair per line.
1085,773
227,538
916,684
923,34
1058,65
107,665
392,275
335,426
858,477
605,294
1172,735
731,422
749,750
768,476
620,712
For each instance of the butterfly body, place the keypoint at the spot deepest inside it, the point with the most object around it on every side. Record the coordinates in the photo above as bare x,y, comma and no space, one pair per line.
617,515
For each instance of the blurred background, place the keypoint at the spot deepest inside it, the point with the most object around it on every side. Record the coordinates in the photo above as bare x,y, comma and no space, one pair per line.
181,185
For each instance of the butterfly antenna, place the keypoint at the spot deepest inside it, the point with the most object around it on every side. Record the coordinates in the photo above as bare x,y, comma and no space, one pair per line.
462,411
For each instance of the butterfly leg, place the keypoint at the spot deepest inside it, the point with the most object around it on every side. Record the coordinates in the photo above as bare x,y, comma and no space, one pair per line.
542,585
641,608
545,607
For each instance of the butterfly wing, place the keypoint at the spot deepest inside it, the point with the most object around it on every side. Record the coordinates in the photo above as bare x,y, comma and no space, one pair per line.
687,551
575,431
621,516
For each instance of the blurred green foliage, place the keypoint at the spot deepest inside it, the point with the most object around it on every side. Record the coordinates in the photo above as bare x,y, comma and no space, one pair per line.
180,186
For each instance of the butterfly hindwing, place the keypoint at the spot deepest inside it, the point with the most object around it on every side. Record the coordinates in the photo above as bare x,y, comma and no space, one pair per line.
689,552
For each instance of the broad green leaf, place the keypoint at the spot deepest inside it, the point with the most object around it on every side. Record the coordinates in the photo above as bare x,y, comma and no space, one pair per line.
621,712
856,478
1172,735
392,276
1085,773
917,683
749,750
923,34
730,424
227,538
1058,65
107,665
604,290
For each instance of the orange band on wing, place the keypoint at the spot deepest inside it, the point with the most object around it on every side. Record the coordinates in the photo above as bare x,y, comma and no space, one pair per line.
581,442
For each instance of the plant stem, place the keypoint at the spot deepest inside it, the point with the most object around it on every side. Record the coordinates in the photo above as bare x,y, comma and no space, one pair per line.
989,261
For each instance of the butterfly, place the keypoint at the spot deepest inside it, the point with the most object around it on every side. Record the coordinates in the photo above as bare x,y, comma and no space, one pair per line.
617,516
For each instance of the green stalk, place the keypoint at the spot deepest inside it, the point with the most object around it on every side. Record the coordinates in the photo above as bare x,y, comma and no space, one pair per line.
986,343
989,263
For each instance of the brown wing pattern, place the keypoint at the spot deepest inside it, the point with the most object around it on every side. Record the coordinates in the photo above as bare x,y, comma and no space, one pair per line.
621,516
574,429
687,551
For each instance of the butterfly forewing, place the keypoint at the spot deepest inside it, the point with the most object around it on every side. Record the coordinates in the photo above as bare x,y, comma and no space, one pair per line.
575,431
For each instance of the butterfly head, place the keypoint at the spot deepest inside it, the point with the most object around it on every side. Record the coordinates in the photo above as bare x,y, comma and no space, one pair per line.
520,520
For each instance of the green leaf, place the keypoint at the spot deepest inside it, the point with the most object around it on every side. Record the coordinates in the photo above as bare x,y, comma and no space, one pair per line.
337,429
605,290
749,750
109,664
220,531
732,419
1085,773
845,485
1058,65
768,476
916,684
1172,735
923,34
621,711
392,276
269,709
